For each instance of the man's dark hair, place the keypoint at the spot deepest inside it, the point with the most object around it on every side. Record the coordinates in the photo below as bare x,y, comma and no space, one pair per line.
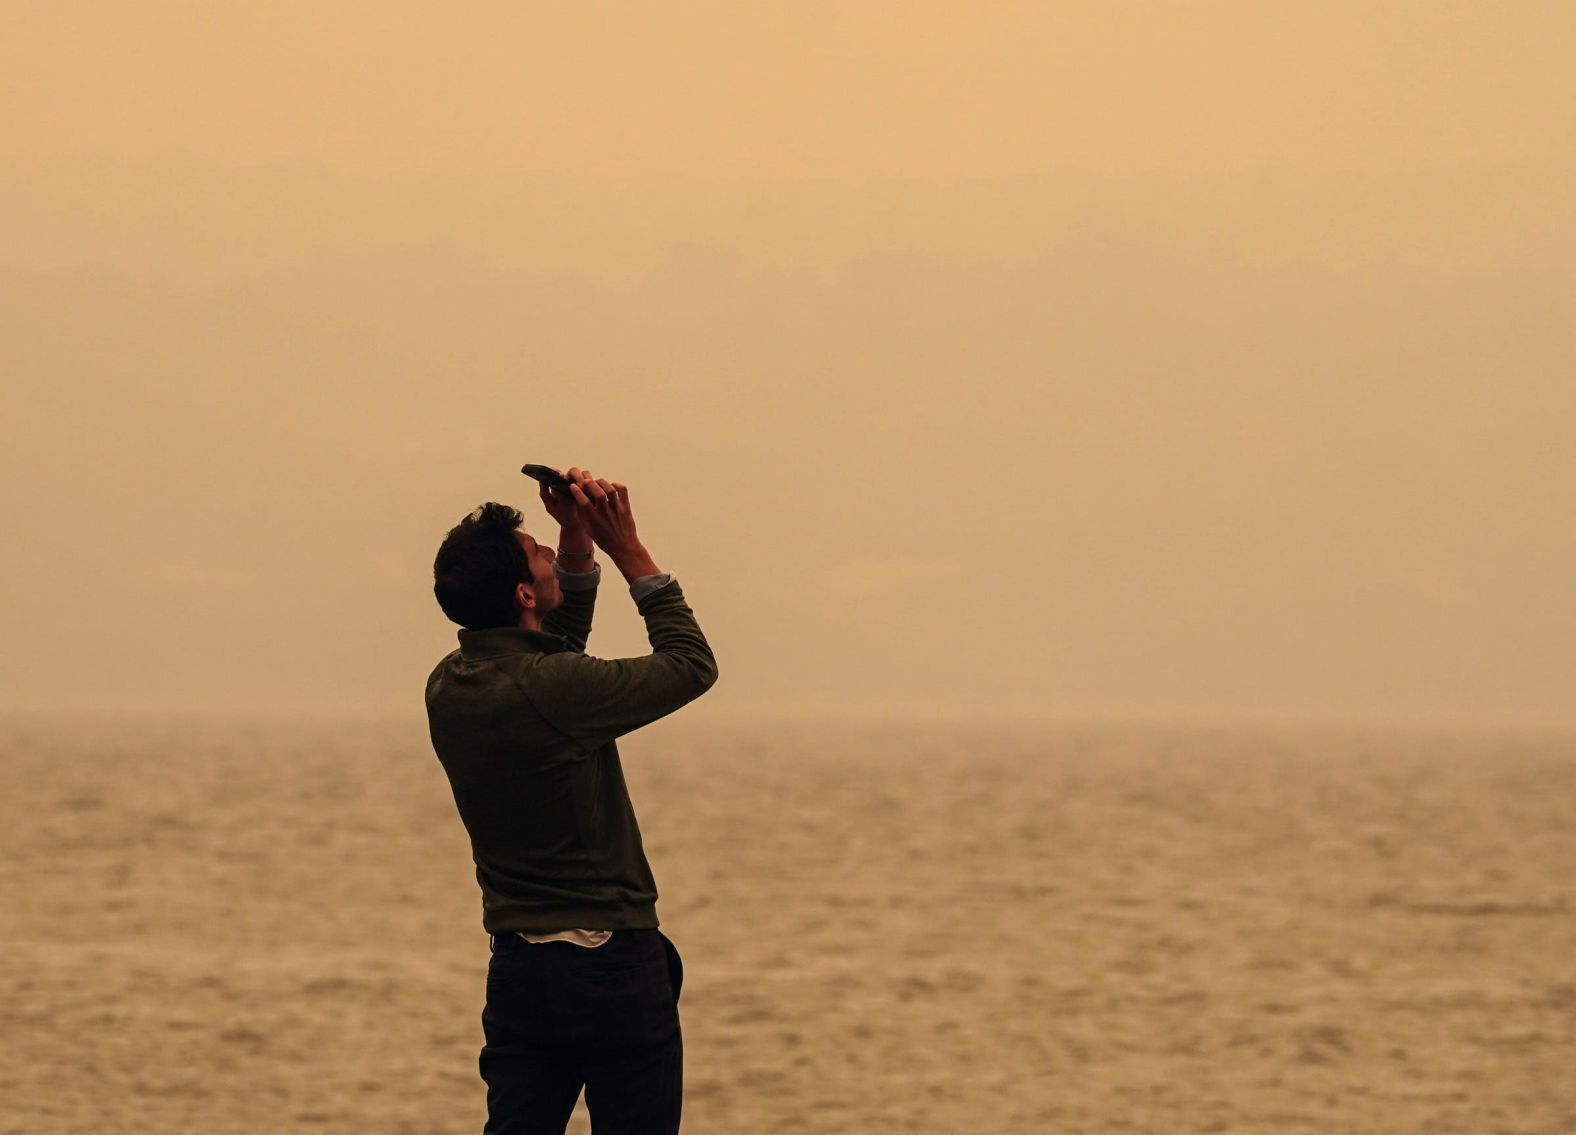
477,567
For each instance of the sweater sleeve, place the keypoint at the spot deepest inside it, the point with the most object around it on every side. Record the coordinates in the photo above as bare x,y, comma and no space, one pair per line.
646,584
595,700
572,617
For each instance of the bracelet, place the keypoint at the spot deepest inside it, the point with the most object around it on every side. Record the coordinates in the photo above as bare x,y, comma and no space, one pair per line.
561,552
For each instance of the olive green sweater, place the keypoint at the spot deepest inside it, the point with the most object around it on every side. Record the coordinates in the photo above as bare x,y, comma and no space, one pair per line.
525,725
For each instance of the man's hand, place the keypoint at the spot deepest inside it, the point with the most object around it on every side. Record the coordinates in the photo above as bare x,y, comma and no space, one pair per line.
560,505
602,506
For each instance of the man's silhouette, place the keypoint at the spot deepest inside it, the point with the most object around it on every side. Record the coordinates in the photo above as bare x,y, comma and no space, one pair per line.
582,987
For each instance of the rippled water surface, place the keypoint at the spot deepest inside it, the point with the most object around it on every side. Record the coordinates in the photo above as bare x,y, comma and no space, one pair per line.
258,927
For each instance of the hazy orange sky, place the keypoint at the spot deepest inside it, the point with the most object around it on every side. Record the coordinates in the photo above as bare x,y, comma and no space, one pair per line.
1140,360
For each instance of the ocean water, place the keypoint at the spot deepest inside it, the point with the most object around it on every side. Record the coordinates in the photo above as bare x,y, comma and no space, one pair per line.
256,926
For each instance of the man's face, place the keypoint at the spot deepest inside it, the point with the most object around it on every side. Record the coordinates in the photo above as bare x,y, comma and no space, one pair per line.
544,585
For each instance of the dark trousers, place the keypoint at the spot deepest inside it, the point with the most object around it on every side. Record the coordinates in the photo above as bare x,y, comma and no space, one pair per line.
560,1017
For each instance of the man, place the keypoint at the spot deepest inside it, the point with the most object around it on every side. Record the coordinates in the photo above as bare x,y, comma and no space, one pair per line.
582,987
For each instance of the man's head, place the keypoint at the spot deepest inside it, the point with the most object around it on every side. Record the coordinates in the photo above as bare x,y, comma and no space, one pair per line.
488,573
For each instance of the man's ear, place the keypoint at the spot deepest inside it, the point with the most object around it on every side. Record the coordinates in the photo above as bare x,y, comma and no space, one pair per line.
523,596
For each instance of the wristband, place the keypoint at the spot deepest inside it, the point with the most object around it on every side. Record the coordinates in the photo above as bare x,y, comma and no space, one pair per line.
563,553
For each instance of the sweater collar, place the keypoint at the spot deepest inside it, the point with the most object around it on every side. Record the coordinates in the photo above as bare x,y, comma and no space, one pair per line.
493,641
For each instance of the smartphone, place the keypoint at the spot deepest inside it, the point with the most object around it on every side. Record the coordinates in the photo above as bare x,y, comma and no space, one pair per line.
545,475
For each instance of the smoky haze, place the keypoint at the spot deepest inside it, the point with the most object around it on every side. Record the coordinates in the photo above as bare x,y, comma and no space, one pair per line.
1172,361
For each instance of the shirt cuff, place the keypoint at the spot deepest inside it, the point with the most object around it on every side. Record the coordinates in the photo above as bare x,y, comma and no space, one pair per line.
577,580
646,584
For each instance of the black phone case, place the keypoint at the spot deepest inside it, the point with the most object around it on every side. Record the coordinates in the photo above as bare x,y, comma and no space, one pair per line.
545,475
